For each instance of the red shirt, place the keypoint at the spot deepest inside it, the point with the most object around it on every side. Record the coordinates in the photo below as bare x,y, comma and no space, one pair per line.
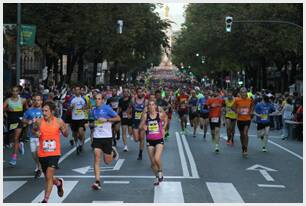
215,106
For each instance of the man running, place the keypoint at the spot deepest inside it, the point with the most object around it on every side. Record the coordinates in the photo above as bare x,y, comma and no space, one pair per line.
114,103
125,111
35,112
14,106
230,117
154,123
138,105
78,106
48,131
193,112
182,100
215,105
204,113
262,112
101,134
243,106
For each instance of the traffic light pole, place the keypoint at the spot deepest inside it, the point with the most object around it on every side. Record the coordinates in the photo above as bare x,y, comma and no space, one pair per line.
269,21
18,44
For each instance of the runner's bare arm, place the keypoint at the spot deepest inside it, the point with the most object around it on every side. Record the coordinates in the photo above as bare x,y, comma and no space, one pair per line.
143,120
63,127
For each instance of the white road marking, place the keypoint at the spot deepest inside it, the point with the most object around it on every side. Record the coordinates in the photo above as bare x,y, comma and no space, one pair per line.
287,150
271,186
260,167
266,175
11,186
182,156
224,192
70,152
102,176
118,164
168,192
107,201
54,198
116,182
193,165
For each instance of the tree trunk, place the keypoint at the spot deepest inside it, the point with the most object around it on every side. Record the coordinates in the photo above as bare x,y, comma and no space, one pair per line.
80,69
72,59
95,68
55,63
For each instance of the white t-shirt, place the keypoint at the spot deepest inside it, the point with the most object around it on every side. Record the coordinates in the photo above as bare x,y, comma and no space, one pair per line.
78,112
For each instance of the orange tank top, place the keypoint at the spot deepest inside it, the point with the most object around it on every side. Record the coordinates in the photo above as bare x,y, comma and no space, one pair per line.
49,141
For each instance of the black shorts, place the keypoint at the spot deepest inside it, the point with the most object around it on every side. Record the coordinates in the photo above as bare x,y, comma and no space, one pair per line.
213,125
51,161
135,123
126,122
232,120
181,113
16,125
153,143
193,115
105,144
76,124
204,115
115,123
261,126
242,124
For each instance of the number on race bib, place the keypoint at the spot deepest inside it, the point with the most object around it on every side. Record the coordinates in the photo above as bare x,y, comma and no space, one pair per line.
264,117
49,145
153,127
215,119
244,111
13,126
124,115
138,115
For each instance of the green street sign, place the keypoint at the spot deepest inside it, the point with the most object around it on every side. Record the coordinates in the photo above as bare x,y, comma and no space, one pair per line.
27,35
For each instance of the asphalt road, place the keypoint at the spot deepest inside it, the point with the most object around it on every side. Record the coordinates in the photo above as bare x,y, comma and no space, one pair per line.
194,173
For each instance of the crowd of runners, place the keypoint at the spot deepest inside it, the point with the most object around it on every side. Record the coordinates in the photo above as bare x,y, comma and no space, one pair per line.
143,113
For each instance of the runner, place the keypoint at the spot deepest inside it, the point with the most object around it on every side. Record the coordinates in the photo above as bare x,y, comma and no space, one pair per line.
154,123
204,113
182,100
215,105
161,102
193,112
114,103
139,104
48,131
101,134
231,118
125,111
33,113
263,110
14,106
243,107
78,106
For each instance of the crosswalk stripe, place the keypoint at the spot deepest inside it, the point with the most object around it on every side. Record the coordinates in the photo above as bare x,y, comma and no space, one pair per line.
168,192
107,201
224,193
11,186
54,198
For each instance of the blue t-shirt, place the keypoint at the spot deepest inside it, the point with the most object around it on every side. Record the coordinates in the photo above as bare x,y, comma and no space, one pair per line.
30,114
264,109
104,111
202,105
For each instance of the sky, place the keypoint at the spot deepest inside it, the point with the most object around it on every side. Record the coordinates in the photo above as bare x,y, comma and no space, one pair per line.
176,14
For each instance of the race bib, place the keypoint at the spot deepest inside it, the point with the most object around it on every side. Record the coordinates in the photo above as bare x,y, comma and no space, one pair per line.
79,112
115,105
264,117
13,126
49,145
214,119
124,115
138,115
193,109
244,111
183,106
98,123
153,127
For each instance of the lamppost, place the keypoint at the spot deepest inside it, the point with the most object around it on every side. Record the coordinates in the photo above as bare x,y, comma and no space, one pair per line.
18,43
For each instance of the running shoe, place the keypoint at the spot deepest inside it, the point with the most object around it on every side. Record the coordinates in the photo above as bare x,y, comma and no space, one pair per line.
264,149
204,136
139,157
194,136
115,153
96,185
217,149
160,176
228,142
37,174
156,181
245,153
78,150
60,189
71,142
81,148
44,201
125,148
21,148
13,161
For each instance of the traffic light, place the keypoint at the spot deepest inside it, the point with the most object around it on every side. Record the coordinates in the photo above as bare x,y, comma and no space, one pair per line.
228,23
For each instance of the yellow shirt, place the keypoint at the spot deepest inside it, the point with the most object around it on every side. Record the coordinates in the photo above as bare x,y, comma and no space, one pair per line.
229,112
